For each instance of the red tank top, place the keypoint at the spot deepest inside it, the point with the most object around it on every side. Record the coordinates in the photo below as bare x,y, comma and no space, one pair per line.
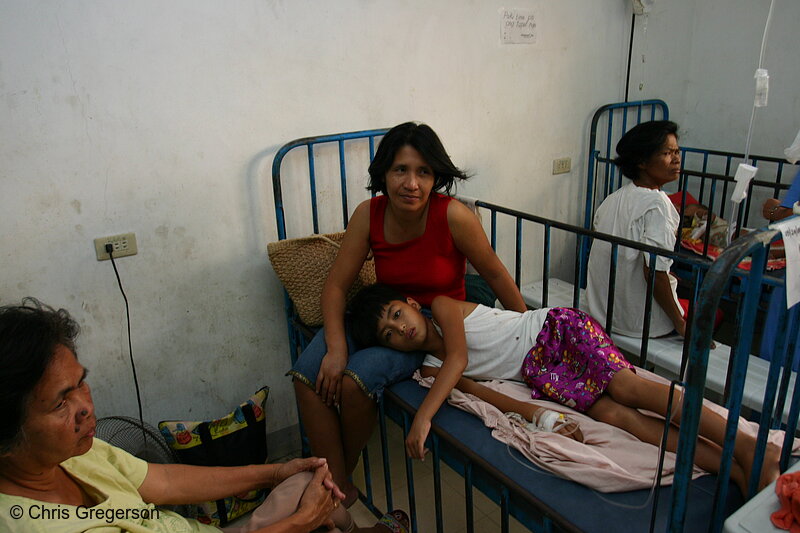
421,268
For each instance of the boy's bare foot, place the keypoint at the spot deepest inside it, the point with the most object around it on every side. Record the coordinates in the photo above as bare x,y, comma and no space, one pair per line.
771,466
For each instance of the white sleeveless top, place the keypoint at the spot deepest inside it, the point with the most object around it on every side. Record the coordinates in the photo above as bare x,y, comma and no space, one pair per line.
497,342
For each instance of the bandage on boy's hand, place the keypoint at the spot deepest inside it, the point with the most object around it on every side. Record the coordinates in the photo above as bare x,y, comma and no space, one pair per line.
329,378
415,441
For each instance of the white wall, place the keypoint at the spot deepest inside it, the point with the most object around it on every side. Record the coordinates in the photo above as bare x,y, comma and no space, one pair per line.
701,57
161,118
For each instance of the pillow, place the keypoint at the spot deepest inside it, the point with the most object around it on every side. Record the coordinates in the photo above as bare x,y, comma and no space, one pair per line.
237,439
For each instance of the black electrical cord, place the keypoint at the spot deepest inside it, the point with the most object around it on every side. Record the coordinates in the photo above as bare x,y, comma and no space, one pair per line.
110,251
630,54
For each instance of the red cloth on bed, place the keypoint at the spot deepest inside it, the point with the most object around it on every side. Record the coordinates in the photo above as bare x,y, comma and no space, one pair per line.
788,490
676,198
684,303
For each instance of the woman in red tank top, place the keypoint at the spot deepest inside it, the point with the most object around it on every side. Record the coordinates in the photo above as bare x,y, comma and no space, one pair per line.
421,240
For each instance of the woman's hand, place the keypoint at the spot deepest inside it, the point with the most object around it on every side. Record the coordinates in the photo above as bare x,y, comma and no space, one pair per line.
286,470
318,501
329,378
415,442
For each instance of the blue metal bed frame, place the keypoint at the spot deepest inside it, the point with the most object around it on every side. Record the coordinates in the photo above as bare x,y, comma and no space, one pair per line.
485,463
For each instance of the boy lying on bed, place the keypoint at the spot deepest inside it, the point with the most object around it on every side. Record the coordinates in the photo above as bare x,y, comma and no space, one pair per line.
562,354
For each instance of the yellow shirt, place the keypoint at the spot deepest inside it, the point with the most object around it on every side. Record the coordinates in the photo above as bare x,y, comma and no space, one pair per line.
110,476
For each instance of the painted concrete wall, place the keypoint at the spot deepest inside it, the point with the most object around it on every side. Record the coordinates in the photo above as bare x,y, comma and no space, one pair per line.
161,118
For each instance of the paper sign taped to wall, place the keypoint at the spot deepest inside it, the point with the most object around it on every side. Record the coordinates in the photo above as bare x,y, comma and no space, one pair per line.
517,26
790,229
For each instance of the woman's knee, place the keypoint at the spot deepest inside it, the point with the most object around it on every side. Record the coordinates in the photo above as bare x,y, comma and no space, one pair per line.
352,390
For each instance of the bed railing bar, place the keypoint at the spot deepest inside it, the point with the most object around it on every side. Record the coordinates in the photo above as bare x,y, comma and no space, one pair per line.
368,495
588,208
648,310
518,252
625,118
735,155
779,175
697,277
747,201
343,178
469,501
546,265
412,501
313,185
504,522
786,372
612,283
681,212
662,453
725,189
710,215
609,168
437,484
580,246
387,474
494,230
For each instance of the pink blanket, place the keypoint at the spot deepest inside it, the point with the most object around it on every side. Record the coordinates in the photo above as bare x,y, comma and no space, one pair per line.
609,460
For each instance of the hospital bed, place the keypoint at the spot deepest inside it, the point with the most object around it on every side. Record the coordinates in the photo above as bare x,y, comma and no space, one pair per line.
315,171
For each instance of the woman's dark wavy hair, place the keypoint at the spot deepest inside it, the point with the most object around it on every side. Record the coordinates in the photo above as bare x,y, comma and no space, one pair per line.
425,141
29,334
640,143
366,309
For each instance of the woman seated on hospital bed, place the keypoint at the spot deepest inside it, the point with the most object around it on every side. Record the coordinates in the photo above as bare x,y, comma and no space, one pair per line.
54,475
640,211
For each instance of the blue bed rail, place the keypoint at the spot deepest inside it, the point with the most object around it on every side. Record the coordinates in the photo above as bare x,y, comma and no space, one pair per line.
543,511
777,391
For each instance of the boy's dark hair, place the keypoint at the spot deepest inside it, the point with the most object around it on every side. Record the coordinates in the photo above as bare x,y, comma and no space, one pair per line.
640,143
29,334
425,141
366,309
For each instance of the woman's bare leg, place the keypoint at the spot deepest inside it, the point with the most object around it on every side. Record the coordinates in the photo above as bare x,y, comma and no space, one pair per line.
324,431
637,392
358,414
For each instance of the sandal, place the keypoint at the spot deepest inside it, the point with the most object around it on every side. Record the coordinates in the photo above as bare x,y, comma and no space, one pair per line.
397,521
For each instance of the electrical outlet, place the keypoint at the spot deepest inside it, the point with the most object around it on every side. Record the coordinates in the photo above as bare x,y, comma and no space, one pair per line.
562,165
123,245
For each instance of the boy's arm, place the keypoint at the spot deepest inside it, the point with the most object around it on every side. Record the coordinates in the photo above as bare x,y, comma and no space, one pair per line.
506,403
449,314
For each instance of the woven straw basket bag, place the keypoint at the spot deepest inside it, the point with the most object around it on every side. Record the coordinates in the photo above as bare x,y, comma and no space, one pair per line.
302,265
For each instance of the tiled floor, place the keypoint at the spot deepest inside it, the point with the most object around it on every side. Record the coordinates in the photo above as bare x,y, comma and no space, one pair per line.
486,513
